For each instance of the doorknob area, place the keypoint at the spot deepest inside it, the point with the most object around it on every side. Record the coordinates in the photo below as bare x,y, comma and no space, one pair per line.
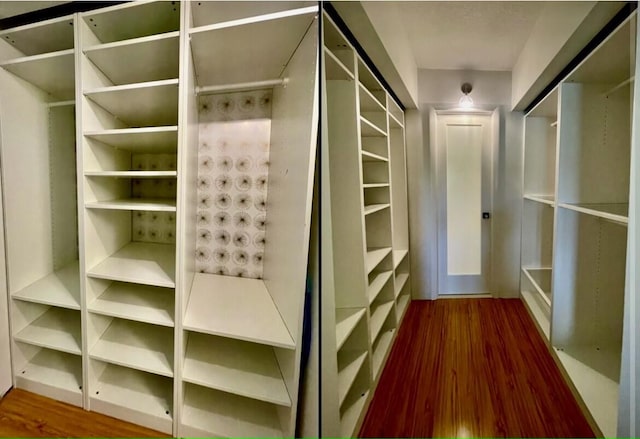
486,215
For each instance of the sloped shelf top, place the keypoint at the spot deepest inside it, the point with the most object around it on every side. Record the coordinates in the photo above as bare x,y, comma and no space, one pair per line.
346,321
57,329
149,139
374,257
537,309
151,205
349,364
378,283
151,58
380,351
51,72
372,208
252,49
617,212
403,301
378,317
141,303
235,307
238,367
371,157
394,122
43,37
401,280
141,346
368,129
132,174
141,104
141,263
211,413
53,368
368,102
351,414
334,68
60,288
541,280
398,257
374,185
545,199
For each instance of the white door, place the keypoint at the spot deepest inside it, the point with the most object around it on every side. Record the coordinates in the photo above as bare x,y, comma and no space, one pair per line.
5,354
464,170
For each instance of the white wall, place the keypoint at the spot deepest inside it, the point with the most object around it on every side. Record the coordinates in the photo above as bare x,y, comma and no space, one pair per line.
441,89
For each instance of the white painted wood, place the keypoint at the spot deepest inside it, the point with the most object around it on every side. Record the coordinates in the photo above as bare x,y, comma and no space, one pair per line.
369,129
234,307
57,329
403,304
136,345
132,20
205,13
368,102
381,351
140,140
335,68
618,212
44,37
350,415
346,321
369,156
379,315
6,369
148,205
150,58
141,104
398,173
398,257
541,281
133,396
545,199
377,284
335,41
590,369
375,208
349,364
209,413
400,282
254,49
136,302
60,288
142,263
374,185
51,72
374,257
132,174
537,309
238,367
242,86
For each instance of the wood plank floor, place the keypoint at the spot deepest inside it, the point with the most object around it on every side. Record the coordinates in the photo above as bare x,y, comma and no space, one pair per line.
472,368
24,414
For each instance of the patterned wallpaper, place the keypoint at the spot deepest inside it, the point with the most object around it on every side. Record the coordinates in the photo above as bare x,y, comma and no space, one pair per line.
233,159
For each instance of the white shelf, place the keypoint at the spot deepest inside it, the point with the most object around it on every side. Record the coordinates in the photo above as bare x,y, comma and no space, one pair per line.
545,199
334,68
403,302
42,37
142,59
394,122
149,140
150,205
51,72
60,288
374,185
401,280
52,368
368,129
398,256
253,49
618,212
590,371
235,307
350,416
541,280
381,350
378,283
536,308
141,303
346,321
140,263
371,157
375,208
141,346
368,102
142,104
120,392
349,364
208,413
57,329
374,257
132,174
378,317
238,367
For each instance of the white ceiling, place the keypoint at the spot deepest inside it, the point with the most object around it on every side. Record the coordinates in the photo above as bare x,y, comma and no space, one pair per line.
9,9
468,35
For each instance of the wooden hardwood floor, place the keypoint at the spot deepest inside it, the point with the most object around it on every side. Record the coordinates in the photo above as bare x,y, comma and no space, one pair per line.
472,368
24,414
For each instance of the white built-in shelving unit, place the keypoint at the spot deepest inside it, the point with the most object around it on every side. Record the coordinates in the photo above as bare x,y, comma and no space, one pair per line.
366,169
575,216
124,300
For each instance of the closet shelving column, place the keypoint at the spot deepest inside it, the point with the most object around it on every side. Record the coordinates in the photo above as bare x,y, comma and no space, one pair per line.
250,93
351,380
128,120
37,94
399,207
541,125
590,244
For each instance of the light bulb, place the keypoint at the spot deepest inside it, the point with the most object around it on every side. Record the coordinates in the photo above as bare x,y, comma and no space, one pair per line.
466,102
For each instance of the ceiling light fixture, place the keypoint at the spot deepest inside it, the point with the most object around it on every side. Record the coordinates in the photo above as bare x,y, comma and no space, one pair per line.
466,101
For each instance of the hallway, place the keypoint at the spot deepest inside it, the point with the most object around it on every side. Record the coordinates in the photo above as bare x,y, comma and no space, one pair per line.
488,374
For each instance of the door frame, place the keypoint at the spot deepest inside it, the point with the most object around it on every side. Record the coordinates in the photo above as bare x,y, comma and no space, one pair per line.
435,112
